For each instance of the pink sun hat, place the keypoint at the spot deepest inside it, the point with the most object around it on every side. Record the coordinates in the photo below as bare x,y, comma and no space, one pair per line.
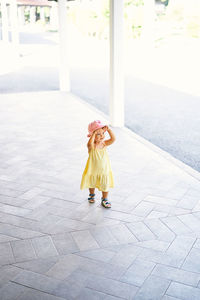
97,124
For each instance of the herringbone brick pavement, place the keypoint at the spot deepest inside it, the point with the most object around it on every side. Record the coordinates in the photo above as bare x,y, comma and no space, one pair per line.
55,245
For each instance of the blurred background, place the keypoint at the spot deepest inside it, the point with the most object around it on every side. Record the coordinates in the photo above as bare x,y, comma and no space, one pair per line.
161,45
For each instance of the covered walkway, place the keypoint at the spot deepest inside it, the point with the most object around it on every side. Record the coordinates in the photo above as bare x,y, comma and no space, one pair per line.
54,245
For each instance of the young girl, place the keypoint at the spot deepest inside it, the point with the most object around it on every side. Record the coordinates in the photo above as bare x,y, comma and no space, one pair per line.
98,173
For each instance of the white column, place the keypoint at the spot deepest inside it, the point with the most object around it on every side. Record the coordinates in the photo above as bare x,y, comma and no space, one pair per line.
54,15
42,14
116,63
64,65
21,15
4,16
14,24
32,14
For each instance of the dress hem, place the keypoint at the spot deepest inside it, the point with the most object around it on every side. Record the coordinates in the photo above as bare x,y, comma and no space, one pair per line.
96,187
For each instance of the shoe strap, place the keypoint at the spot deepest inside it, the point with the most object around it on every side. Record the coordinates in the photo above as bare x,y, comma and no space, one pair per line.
91,196
105,200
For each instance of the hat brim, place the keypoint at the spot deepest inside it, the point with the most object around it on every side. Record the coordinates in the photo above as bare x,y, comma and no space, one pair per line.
99,127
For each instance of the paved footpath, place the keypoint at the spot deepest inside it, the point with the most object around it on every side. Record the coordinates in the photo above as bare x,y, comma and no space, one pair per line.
55,245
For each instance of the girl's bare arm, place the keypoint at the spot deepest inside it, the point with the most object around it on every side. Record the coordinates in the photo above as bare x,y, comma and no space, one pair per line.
90,143
112,137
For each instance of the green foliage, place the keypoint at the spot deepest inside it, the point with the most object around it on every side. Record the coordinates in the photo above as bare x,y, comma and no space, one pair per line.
193,27
91,18
133,15
184,18
134,2
106,13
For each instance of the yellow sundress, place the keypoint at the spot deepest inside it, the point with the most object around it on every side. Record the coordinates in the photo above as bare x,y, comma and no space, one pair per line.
98,172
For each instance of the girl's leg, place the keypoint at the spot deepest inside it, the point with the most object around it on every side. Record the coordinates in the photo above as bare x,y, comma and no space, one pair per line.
91,198
104,200
104,195
92,190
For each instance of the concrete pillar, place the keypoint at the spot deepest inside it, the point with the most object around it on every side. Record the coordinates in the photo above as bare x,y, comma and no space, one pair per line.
4,16
116,63
21,16
42,14
64,53
14,25
54,15
32,14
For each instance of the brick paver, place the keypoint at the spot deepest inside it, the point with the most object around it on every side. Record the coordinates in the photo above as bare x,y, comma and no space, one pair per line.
55,245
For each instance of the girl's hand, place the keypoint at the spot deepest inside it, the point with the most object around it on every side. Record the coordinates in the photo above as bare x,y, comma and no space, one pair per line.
105,128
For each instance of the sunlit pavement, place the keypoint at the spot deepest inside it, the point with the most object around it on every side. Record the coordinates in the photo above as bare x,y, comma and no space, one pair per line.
173,63
162,86
55,245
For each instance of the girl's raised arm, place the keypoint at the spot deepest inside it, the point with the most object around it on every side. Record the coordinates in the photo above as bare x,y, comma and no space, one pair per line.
112,137
90,143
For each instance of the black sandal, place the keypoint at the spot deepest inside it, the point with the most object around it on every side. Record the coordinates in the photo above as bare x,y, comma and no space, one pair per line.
91,198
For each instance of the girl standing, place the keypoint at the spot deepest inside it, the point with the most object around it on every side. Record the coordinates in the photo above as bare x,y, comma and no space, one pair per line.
98,173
